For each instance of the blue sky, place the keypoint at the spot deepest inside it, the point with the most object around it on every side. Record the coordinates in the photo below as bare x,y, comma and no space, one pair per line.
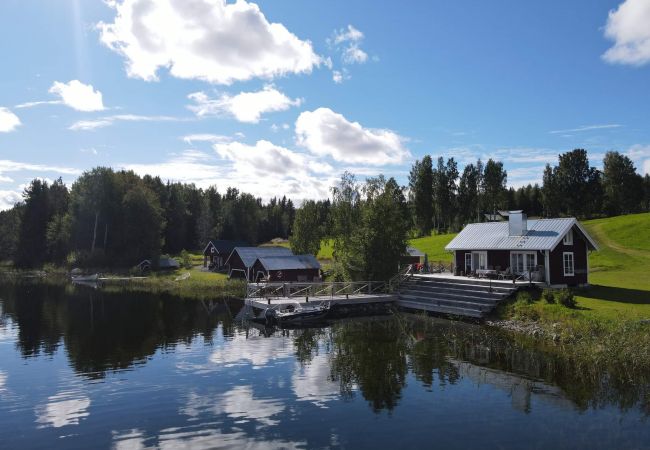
281,97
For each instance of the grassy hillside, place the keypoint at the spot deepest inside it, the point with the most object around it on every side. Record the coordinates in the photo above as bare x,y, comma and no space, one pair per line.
434,246
620,270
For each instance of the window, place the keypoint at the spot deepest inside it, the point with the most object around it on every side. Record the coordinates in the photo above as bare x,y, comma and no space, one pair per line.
569,269
468,262
521,262
479,260
568,238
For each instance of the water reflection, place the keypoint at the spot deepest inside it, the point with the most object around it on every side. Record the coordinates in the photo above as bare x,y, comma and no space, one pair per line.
312,382
65,408
154,371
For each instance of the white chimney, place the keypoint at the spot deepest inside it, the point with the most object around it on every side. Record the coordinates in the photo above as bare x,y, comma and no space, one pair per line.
517,223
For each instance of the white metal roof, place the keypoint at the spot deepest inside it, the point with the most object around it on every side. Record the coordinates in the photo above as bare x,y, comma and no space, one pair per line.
542,234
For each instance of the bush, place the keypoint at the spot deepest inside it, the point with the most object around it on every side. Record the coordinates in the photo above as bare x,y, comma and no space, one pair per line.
549,296
524,297
566,298
186,259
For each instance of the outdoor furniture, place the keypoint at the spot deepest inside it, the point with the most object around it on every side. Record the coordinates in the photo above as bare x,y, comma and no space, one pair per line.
486,273
506,274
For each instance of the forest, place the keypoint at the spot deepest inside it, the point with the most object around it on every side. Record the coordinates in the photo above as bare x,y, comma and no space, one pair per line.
110,218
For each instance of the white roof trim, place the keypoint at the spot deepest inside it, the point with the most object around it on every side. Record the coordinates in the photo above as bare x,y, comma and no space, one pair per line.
208,244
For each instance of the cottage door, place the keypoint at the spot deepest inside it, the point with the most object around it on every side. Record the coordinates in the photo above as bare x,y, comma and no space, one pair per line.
479,260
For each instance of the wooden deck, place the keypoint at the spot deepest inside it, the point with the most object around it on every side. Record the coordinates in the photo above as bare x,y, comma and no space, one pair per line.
364,299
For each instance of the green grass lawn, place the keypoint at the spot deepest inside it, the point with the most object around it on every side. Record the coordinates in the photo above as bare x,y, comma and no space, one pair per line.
434,246
620,270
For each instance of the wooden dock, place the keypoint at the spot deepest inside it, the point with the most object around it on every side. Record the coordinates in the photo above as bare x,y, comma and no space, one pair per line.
341,300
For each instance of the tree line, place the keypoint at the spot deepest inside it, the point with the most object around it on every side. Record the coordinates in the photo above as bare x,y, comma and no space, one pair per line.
117,218
441,199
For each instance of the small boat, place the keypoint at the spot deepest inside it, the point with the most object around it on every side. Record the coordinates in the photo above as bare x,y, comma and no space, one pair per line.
85,278
296,313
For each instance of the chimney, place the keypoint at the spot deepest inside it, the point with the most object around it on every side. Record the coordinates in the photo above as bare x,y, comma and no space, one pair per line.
517,223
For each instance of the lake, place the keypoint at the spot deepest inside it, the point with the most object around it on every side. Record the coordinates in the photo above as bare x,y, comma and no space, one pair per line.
82,368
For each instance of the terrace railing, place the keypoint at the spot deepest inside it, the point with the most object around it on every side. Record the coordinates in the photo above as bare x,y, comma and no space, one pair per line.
326,289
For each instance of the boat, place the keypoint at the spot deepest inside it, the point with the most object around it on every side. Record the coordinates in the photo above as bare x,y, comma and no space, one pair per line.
85,278
296,313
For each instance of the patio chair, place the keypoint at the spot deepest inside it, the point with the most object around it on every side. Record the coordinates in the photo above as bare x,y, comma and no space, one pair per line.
506,274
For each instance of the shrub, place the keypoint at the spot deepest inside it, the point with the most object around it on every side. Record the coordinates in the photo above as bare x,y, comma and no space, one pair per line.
549,296
566,298
524,297
186,259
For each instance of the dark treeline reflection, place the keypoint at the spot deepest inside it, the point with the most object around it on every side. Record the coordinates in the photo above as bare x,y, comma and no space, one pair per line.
107,331
377,355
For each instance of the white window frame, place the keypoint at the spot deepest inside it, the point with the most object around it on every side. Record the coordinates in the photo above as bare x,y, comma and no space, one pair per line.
476,260
564,264
568,238
468,267
526,266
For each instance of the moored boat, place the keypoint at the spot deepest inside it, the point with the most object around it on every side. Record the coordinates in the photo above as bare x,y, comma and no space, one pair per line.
85,278
296,313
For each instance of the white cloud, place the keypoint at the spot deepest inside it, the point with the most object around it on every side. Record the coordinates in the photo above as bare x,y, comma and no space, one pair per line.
586,128
245,106
324,132
210,40
353,54
264,170
7,165
76,95
646,167
629,27
102,122
339,76
39,103
190,166
205,137
8,120
348,41
9,198
262,158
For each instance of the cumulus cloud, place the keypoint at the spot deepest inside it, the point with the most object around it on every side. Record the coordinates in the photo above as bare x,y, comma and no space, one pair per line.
262,158
629,27
102,122
264,170
245,106
76,95
8,120
348,41
9,198
326,133
209,40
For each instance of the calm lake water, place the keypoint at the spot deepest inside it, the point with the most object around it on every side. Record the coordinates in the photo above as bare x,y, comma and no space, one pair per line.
80,368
